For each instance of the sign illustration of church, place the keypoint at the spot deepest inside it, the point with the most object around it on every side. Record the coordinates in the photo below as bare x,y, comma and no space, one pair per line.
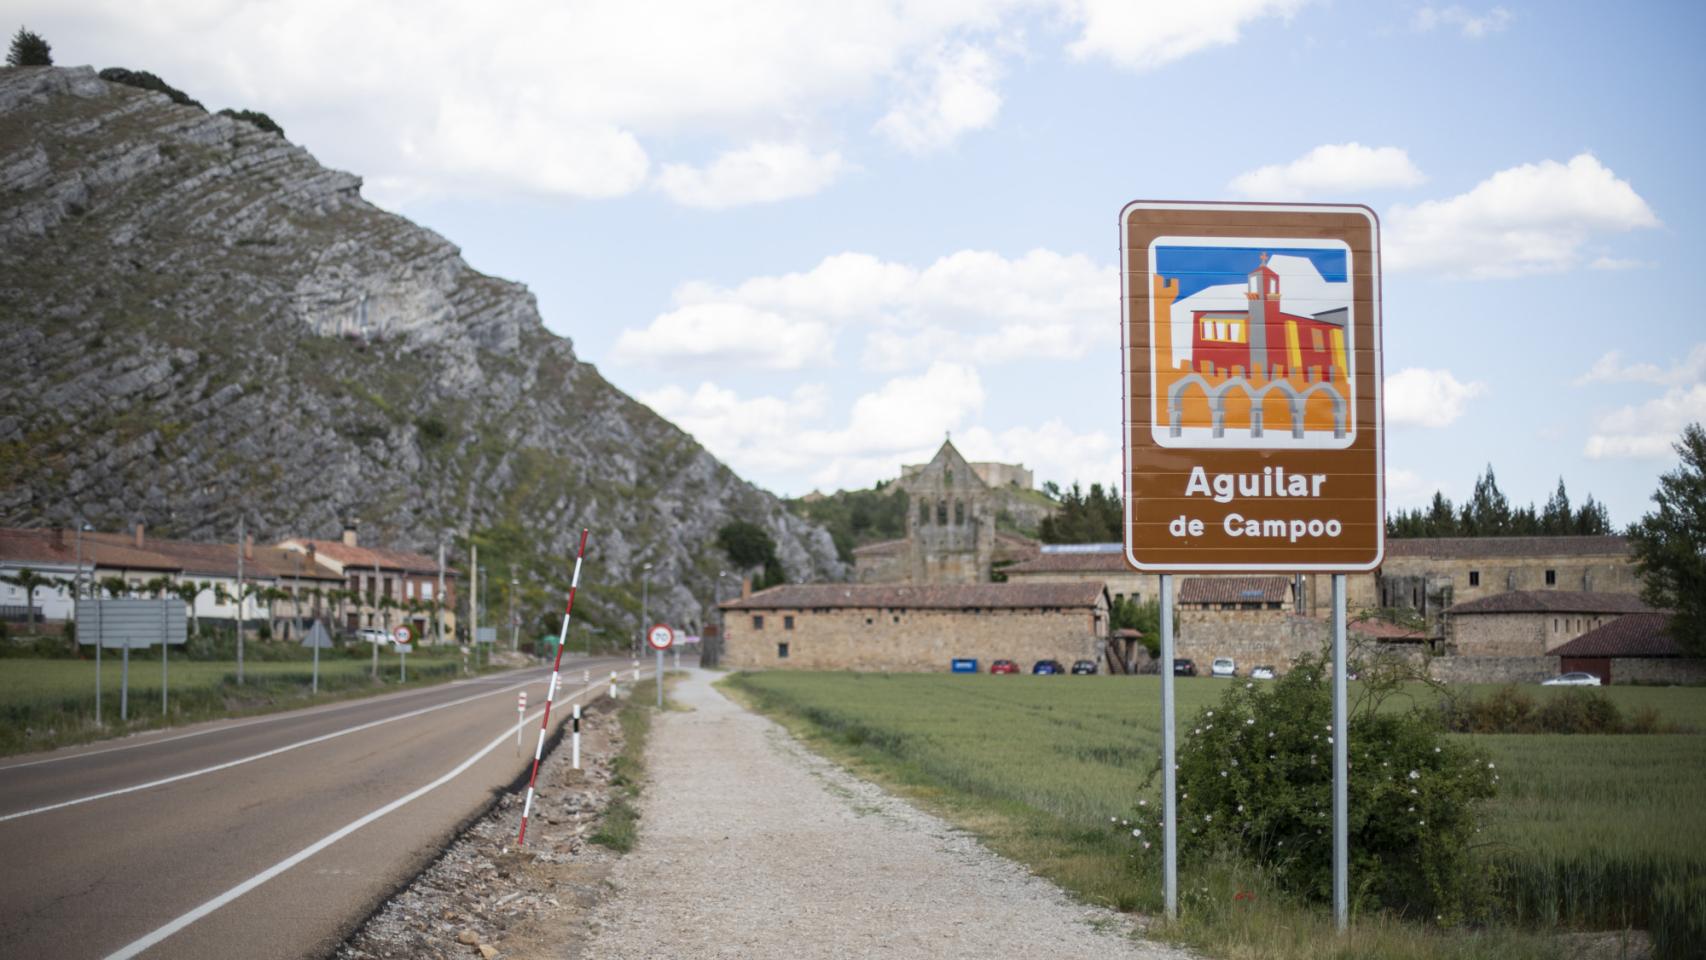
1251,343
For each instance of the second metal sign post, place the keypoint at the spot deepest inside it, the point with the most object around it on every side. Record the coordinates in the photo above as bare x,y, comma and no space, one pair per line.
660,636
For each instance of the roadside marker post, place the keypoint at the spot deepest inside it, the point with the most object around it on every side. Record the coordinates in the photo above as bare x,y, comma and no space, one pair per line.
660,637
614,692
551,692
1218,302
521,719
575,739
636,671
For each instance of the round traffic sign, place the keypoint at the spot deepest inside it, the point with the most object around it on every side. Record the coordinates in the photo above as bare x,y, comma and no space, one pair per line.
660,636
402,635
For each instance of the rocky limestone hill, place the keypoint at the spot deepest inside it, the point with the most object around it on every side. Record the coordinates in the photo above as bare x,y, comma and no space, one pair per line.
200,323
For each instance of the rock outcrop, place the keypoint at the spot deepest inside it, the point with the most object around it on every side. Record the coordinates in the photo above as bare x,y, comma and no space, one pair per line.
201,323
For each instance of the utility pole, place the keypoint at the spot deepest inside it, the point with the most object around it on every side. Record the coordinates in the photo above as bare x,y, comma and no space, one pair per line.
385,626
514,632
438,598
645,619
240,599
474,597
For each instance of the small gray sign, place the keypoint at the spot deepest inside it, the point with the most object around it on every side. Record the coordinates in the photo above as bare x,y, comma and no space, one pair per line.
486,635
317,636
131,622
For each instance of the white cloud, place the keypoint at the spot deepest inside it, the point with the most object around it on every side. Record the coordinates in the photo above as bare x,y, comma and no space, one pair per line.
1610,368
1646,431
1407,489
727,335
974,305
1053,451
1418,397
1332,168
1534,218
761,173
1142,36
955,93
1471,25
774,439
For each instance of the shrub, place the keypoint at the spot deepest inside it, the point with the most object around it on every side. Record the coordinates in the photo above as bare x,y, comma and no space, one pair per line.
1510,709
29,50
143,80
255,117
1255,779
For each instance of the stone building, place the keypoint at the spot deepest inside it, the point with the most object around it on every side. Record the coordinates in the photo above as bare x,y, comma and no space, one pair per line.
950,528
1086,563
838,626
1636,648
374,575
1430,574
1531,623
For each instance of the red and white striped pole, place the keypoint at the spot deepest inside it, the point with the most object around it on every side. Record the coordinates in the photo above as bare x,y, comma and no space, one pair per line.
551,694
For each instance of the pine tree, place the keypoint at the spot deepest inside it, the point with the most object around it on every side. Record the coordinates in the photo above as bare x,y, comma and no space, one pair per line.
29,50
1670,544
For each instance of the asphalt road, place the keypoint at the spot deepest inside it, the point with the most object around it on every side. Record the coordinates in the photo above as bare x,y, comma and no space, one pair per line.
277,835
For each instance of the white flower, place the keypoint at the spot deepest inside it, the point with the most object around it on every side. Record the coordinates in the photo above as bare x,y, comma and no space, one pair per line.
1235,761
1208,816
1143,803
1270,756
1415,775
1421,823
1249,721
1270,734
1240,808
1489,766
1136,832
1329,739
1209,714
1113,819
1436,749
1412,809
1223,773
1146,844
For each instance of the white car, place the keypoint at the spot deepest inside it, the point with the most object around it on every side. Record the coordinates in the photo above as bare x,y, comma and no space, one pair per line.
370,635
1262,673
1572,680
1223,667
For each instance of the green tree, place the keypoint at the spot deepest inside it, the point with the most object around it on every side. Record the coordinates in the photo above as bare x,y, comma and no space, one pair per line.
1556,517
1093,517
1488,512
29,50
29,581
1670,544
749,545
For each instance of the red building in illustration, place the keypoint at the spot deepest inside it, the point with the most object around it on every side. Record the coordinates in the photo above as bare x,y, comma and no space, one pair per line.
1265,343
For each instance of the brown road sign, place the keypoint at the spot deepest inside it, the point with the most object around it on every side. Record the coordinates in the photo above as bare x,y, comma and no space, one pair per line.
1253,387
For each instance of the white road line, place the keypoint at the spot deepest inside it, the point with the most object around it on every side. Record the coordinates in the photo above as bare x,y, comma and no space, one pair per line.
315,711
261,756
140,944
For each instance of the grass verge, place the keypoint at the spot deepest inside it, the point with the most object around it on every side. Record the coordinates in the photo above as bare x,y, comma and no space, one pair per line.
1036,769
619,828
47,704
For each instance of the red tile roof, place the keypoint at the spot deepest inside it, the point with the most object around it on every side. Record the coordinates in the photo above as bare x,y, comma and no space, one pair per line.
1235,590
220,559
60,547
1635,635
1552,601
1005,596
1375,628
1071,563
1477,547
368,557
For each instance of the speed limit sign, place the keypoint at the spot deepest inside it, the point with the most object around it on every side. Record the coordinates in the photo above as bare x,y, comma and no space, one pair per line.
660,636
401,635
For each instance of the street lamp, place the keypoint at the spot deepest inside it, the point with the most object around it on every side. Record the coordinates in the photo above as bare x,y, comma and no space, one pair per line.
514,643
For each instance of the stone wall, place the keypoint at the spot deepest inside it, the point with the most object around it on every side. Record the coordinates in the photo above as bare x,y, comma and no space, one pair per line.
1492,669
1518,634
1657,670
914,640
1250,637
1495,575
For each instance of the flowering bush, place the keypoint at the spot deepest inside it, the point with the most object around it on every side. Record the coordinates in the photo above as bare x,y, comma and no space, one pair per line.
1255,778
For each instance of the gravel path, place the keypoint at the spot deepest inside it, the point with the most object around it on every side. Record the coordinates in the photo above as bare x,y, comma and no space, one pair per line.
752,847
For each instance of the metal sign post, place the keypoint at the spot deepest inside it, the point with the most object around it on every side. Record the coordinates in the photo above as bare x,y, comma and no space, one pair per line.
127,622
661,637
402,635
1254,432
317,637
1169,758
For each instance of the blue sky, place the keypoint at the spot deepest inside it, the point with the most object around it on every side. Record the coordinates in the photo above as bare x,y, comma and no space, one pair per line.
820,237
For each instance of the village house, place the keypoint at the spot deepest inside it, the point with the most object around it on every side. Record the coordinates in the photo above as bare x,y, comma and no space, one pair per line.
384,588
845,626
1634,648
1531,623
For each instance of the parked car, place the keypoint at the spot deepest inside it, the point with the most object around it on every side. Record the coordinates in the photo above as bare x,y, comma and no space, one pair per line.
1048,666
1003,666
1223,667
370,635
1262,673
1572,680
1183,667
1084,666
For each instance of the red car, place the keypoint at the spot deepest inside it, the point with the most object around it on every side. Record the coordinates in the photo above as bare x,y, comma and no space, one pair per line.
1003,666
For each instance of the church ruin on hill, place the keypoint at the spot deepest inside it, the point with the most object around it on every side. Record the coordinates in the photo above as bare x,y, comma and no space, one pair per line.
951,535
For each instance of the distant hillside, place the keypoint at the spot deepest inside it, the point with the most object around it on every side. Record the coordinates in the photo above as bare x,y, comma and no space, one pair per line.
201,323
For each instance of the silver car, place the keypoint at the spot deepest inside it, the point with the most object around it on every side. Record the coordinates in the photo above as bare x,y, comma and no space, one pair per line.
1572,680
